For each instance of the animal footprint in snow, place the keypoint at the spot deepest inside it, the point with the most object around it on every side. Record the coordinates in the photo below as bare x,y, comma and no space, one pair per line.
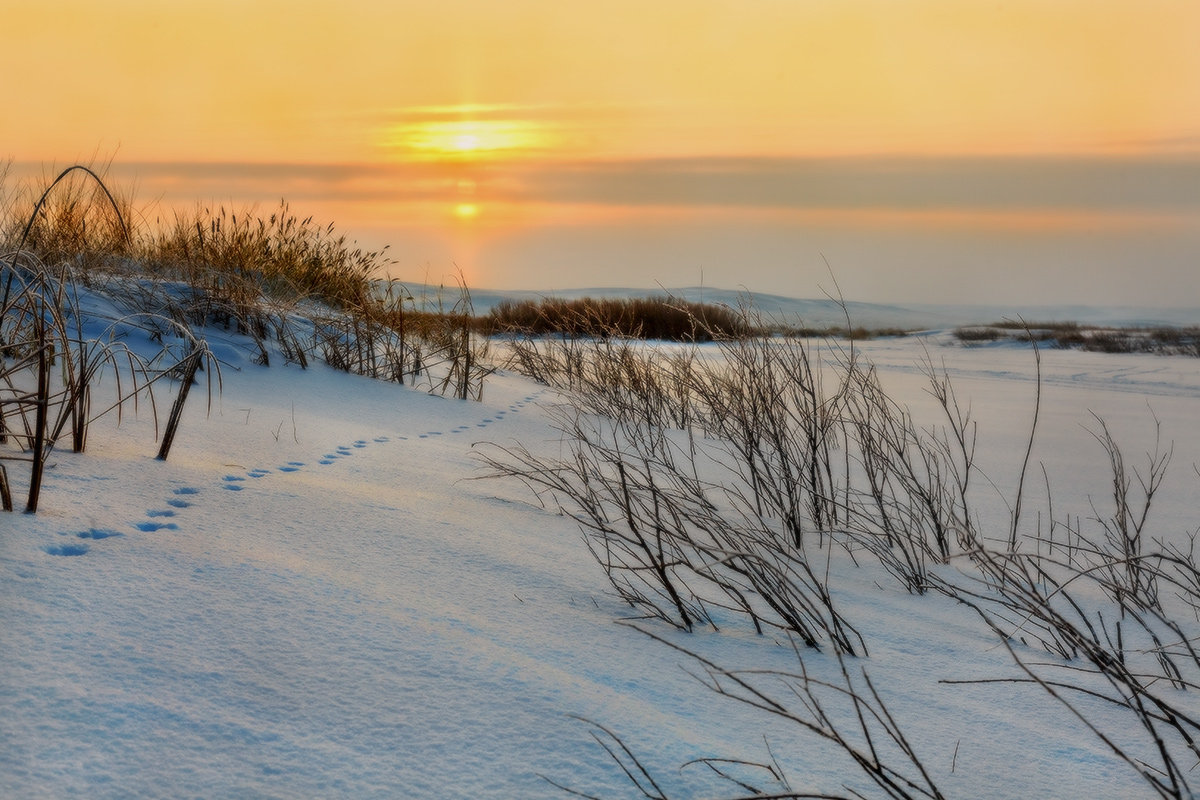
258,473
187,490
65,549
162,513
291,466
178,503
382,439
232,482
151,527
97,533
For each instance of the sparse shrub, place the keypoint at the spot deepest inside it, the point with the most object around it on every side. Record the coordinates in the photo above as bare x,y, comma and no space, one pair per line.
1162,340
973,335
695,487
1020,326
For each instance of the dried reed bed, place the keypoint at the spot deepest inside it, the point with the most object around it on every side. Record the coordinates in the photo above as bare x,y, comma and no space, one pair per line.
658,318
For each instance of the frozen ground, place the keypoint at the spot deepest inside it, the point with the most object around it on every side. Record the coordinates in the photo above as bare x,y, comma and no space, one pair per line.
313,598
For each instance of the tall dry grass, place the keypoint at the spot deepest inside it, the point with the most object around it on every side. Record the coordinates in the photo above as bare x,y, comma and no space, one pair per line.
284,286
52,350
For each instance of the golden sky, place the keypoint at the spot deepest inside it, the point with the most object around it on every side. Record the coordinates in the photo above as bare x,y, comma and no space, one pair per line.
353,81
501,115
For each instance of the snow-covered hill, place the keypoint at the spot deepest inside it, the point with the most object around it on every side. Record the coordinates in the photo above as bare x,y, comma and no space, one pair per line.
313,598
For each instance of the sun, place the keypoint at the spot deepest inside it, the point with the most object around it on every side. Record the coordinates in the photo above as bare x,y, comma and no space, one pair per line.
446,135
466,142
477,138
466,210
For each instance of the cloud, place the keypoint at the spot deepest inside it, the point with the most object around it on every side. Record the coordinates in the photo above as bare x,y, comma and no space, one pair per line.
982,184
1154,185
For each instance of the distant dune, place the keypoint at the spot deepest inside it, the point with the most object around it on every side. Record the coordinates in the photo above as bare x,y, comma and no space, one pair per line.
823,312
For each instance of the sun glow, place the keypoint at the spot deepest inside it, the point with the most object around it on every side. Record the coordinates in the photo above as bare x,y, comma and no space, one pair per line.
466,139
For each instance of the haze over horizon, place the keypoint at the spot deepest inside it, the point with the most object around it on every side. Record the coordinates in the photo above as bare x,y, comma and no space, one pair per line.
932,151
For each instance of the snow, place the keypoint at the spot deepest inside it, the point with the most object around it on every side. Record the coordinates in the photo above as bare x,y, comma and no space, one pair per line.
316,597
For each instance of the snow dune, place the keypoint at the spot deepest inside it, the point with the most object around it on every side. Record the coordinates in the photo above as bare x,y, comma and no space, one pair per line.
314,598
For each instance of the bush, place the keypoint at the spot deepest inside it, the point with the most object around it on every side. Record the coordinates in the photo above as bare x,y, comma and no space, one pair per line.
716,489
664,318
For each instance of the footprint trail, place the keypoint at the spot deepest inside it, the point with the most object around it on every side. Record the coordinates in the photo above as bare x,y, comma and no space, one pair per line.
184,497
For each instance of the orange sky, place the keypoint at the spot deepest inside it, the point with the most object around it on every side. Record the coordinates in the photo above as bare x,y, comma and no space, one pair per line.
468,105
335,82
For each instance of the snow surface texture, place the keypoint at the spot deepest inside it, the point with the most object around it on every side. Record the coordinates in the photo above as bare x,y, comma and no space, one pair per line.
313,599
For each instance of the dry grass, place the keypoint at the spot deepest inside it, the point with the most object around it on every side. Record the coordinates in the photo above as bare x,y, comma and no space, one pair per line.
82,221
249,254
48,364
288,286
1160,340
660,318
294,287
